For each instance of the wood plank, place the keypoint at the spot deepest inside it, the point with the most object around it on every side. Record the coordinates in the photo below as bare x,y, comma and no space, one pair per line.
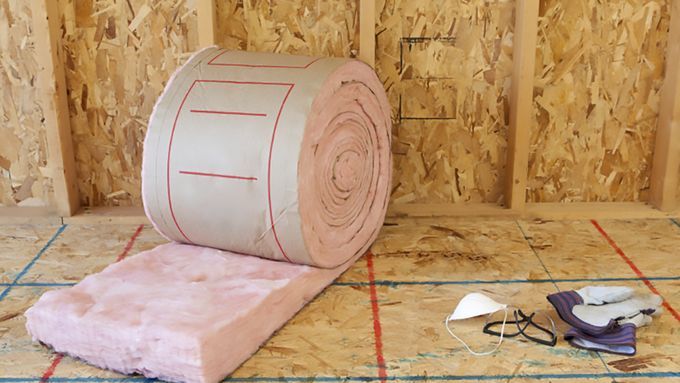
521,105
14,215
557,211
418,210
367,32
666,162
470,253
475,211
118,215
51,83
207,22
594,210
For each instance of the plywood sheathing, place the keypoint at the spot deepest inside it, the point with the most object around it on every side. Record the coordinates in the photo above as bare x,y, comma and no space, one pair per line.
24,179
677,194
446,66
599,71
591,140
119,55
306,27
422,269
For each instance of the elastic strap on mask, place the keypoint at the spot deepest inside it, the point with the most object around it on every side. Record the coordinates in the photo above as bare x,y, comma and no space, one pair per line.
500,340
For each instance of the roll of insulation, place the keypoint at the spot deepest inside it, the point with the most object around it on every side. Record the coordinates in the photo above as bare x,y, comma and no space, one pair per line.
282,157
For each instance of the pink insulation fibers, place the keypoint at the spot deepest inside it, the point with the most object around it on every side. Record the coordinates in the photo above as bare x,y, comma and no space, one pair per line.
178,312
283,158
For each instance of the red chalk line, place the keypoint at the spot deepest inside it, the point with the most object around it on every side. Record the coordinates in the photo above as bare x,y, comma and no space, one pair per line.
271,147
50,370
57,359
244,82
167,165
233,177
228,113
223,51
269,172
130,243
377,328
635,269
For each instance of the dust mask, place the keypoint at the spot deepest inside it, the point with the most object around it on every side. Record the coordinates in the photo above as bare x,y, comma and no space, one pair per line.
474,305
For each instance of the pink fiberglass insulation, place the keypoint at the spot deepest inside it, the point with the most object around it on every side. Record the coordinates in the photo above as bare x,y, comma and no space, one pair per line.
178,312
283,158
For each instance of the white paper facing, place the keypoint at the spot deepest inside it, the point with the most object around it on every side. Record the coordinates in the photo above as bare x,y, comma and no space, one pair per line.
283,157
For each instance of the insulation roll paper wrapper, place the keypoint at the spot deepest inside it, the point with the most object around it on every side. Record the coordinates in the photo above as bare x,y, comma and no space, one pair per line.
270,174
283,157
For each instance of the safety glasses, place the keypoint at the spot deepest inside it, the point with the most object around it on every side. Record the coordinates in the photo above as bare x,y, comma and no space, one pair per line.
528,326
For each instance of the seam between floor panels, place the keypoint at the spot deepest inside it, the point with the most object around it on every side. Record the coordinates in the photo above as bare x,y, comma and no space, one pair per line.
675,222
526,238
32,262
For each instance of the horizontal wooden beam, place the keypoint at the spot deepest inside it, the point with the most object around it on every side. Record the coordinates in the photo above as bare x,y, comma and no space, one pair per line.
467,211
557,211
14,215
118,215
594,210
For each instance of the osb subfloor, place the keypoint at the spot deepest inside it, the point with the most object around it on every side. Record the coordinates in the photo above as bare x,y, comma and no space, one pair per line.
418,272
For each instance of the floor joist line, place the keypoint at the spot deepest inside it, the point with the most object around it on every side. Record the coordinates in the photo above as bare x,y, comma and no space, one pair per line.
396,283
130,243
32,262
50,370
39,284
377,328
394,378
635,269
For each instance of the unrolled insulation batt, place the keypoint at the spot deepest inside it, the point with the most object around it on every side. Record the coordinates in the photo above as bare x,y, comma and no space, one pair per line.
270,174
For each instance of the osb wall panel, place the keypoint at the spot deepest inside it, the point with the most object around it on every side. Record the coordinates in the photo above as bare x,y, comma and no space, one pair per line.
677,193
305,27
119,55
599,72
446,65
23,145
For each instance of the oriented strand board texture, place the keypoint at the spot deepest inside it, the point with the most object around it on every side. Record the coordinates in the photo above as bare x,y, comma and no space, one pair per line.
23,143
446,65
423,268
677,193
599,72
119,54
305,27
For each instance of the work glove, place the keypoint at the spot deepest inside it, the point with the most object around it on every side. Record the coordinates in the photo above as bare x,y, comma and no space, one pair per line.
620,340
599,309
